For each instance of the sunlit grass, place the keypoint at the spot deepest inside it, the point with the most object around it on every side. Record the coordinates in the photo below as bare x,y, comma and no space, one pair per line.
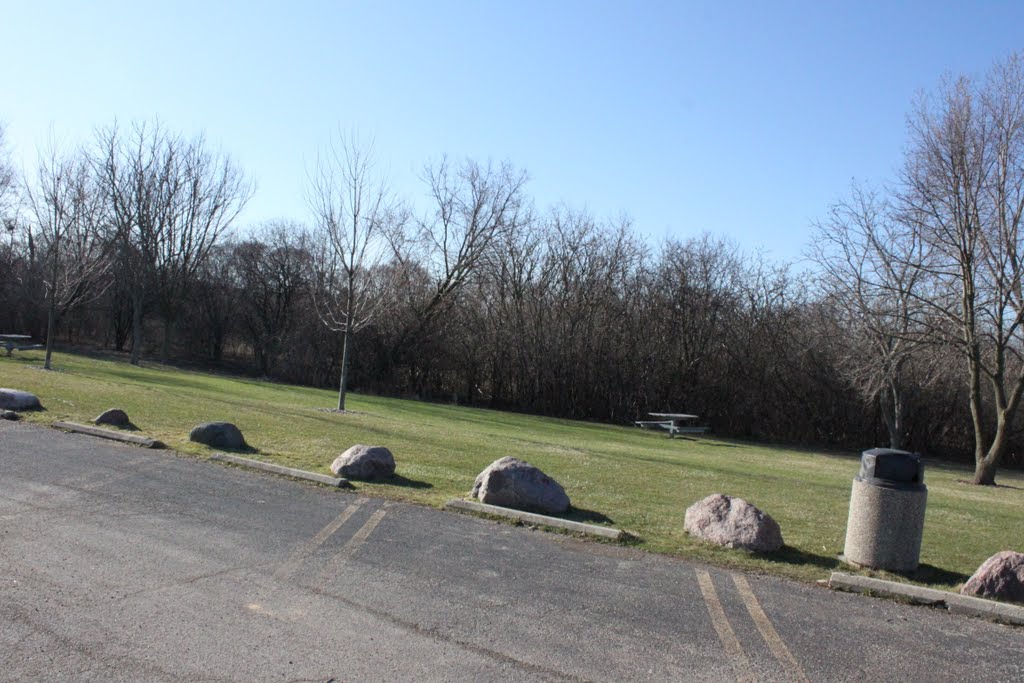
642,481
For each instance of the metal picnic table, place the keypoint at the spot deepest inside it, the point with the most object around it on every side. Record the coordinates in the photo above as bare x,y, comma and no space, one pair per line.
19,342
673,423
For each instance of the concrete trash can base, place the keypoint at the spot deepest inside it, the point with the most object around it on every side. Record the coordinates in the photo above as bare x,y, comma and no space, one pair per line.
887,507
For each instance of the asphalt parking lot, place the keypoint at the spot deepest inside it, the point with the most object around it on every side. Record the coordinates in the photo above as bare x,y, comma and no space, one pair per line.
118,563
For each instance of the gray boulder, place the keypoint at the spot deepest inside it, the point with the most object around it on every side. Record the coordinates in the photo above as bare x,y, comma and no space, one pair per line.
13,399
9,415
115,417
733,523
218,435
513,483
364,462
1000,577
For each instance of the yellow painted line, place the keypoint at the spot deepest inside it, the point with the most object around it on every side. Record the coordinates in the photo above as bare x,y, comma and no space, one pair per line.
359,537
768,632
731,644
299,556
335,564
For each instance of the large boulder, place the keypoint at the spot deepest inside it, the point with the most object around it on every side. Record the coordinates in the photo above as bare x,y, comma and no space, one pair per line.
733,523
1000,577
13,399
364,462
218,435
513,483
114,417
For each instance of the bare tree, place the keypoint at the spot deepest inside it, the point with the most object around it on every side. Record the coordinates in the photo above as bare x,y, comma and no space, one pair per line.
8,183
207,191
871,277
354,216
170,200
963,194
474,207
71,233
271,272
135,168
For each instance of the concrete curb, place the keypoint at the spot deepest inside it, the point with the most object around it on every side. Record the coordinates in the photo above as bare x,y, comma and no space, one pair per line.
532,518
957,604
280,469
133,439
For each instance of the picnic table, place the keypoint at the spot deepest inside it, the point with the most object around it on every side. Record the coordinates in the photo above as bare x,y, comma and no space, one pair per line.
673,423
18,342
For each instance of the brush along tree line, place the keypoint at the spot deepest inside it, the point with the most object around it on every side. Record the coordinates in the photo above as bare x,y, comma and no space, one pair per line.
907,329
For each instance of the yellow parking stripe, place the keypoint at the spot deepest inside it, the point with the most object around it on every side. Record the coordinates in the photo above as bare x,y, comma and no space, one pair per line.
731,644
299,556
768,632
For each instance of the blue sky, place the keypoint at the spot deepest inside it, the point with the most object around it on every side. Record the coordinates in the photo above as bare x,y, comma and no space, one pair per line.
739,119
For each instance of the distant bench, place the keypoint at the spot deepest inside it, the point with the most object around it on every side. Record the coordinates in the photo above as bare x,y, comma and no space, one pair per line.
673,423
18,342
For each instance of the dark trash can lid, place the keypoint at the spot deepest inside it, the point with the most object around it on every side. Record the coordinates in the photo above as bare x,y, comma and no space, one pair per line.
893,469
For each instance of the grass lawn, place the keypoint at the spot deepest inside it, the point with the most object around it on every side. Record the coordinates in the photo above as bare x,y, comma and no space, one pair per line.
640,481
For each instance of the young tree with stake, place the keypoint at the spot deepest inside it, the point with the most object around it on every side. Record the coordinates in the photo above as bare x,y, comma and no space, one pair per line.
355,219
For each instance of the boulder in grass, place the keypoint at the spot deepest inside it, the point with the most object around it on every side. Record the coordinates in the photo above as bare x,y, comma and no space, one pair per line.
1000,577
733,523
364,462
13,399
513,483
9,415
218,435
114,417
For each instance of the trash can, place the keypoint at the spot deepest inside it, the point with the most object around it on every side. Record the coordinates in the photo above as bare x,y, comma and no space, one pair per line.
887,511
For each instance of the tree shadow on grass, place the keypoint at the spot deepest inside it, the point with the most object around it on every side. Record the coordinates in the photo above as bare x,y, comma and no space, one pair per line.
790,555
243,450
930,574
130,427
925,574
588,516
399,480
968,482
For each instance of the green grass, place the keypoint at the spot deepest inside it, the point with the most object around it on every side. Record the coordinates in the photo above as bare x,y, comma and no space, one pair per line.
641,481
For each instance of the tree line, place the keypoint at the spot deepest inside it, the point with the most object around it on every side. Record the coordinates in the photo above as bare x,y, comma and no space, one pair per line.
904,331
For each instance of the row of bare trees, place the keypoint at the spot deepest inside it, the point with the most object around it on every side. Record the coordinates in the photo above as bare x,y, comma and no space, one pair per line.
906,330
928,274
140,207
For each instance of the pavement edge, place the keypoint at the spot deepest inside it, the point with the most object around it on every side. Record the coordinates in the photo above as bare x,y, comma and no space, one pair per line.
957,604
134,439
604,532
280,469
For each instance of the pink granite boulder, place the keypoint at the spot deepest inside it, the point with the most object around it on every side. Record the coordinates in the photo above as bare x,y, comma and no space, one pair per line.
733,523
1000,577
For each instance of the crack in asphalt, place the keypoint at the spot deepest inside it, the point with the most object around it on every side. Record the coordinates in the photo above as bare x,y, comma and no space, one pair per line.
435,634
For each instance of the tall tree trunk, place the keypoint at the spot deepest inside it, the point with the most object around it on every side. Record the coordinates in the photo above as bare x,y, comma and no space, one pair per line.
344,369
985,472
165,346
137,299
985,467
51,328
892,414
974,396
